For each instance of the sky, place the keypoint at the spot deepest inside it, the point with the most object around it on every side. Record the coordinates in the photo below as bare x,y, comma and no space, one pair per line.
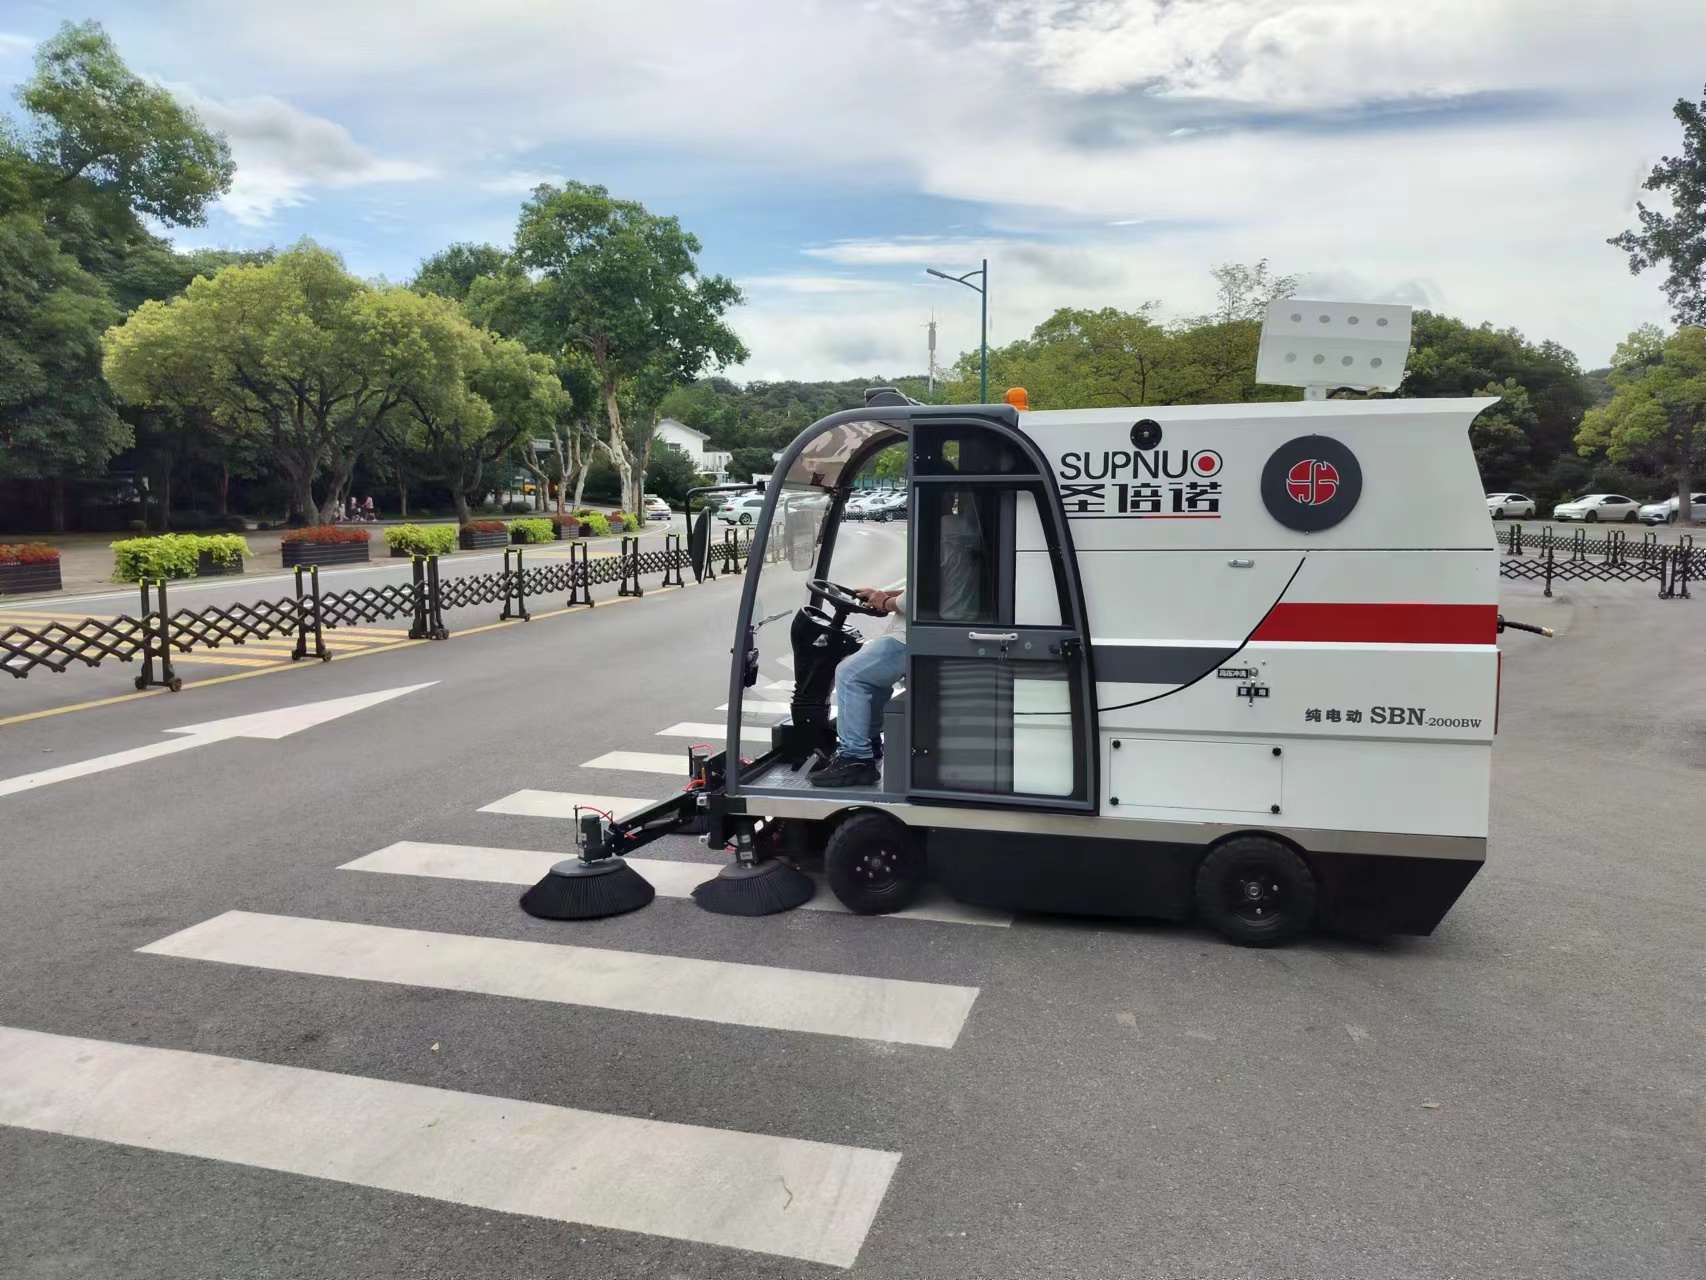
1470,156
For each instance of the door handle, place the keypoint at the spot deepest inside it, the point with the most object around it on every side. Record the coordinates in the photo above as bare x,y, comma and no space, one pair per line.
1001,637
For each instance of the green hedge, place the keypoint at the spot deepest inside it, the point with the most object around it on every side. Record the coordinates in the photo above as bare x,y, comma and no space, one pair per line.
422,539
537,530
173,555
598,522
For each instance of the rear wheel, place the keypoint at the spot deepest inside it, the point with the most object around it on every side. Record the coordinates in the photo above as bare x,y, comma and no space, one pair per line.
874,864
1256,891
1499,514
1629,518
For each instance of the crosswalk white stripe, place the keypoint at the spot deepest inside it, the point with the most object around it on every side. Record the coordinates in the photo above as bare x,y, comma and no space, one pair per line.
670,878
754,707
889,1009
642,762
714,734
796,1199
561,804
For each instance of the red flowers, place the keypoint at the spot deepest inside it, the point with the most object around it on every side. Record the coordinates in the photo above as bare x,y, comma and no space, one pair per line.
28,553
485,526
327,533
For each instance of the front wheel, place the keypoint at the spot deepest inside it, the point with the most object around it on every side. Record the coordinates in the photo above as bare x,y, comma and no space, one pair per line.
1499,514
746,517
1256,891
874,865
1592,517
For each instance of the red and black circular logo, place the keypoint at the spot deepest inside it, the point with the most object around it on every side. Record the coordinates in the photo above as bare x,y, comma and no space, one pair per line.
1311,483
1205,463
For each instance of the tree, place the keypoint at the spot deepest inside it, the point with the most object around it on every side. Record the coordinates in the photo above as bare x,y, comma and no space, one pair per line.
451,272
1677,240
1500,435
1657,407
623,285
56,416
297,353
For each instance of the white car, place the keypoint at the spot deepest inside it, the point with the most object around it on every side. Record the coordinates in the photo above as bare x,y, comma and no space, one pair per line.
887,504
657,508
1502,505
743,511
1665,512
1596,508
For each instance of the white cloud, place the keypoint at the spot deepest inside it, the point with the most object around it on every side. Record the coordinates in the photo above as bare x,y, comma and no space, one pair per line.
283,153
815,285
1175,135
520,182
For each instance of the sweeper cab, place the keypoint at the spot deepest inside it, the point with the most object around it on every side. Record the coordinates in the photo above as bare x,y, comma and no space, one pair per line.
1236,661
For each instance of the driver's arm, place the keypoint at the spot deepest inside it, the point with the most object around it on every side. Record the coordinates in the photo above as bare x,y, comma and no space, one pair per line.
877,598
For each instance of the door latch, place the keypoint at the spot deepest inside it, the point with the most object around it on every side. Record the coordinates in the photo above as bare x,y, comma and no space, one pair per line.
1250,692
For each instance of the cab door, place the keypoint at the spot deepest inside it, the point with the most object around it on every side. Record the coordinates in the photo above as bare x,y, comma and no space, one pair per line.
998,669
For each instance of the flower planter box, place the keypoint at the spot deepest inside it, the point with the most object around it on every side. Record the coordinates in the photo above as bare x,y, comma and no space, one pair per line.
307,553
18,578
476,540
207,567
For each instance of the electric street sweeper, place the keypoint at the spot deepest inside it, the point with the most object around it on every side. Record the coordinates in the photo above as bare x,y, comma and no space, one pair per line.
1233,660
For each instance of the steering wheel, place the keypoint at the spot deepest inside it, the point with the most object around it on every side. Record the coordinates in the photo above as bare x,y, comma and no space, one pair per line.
841,598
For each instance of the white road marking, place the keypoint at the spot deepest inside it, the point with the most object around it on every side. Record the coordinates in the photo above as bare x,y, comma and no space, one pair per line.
714,734
671,879
277,723
753,707
561,804
643,762
751,995
796,1199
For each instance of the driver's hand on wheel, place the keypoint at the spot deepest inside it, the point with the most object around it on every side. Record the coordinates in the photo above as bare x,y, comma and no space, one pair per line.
876,597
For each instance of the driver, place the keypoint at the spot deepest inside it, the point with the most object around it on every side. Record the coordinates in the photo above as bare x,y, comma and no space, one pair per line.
865,681
863,684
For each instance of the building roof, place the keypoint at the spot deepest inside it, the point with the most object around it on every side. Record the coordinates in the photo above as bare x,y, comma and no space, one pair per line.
682,426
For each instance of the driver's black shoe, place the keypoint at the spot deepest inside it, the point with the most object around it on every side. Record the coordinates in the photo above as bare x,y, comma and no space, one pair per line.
847,771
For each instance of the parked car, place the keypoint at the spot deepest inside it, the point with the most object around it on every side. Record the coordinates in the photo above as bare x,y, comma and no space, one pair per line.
657,508
1597,507
742,511
1509,504
1665,512
888,504
859,505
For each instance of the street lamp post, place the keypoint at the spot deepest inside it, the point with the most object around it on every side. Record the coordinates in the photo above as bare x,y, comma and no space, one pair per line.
982,291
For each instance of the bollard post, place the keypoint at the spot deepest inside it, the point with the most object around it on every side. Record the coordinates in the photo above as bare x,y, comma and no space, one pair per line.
733,557
1548,572
1516,540
418,627
520,581
168,676
629,562
580,576
436,629
147,676
1614,546
672,559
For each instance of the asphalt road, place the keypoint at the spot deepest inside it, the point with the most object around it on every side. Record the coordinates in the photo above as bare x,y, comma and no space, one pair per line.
1519,1095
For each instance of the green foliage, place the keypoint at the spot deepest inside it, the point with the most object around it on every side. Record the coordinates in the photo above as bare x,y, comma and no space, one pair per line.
56,417
118,140
670,473
598,522
1677,240
537,529
484,526
451,272
173,555
1657,411
422,539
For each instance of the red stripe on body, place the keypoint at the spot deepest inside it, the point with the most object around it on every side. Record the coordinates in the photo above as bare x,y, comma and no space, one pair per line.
1382,623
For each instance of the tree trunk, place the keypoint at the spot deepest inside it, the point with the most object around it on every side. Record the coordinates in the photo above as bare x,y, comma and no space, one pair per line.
166,498
224,489
403,497
463,514
56,504
619,455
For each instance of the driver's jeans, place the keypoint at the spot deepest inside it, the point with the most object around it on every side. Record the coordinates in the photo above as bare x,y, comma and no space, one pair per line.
863,684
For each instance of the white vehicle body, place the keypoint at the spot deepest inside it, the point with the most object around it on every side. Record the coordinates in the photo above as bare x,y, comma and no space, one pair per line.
1509,505
1257,631
1596,508
742,511
1665,512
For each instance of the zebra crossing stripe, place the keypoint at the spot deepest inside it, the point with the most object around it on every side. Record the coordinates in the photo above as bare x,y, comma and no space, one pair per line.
642,762
561,804
886,1009
671,879
788,1197
755,707
715,735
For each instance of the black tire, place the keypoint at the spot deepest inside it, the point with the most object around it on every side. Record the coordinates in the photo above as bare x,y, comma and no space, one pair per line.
1499,514
746,517
1591,517
874,865
1256,891
1629,518
1671,518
